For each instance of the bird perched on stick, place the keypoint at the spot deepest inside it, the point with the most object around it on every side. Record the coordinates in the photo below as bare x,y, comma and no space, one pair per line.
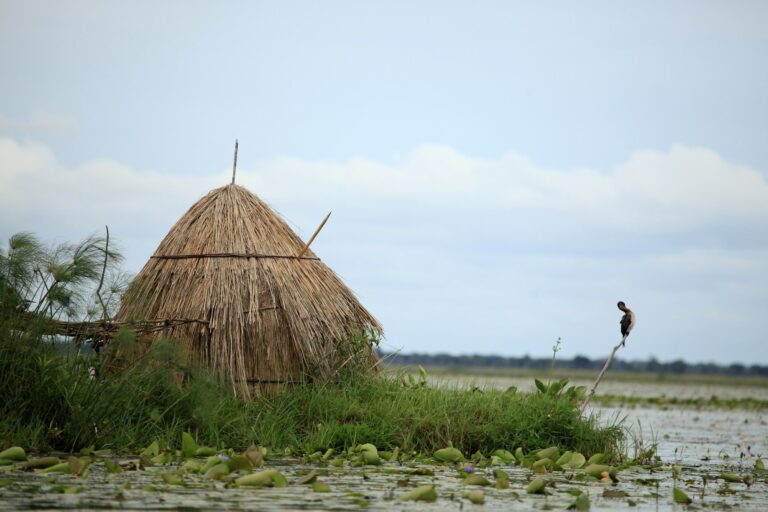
627,321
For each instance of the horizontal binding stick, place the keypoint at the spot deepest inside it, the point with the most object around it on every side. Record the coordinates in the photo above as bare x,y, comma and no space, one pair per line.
225,255
269,381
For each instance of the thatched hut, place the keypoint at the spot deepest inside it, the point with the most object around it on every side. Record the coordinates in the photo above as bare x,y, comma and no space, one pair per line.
227,280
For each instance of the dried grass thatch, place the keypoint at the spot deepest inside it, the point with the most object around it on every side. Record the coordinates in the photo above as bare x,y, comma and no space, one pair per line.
269,316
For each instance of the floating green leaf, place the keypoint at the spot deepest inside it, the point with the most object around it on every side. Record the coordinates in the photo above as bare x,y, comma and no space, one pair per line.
542,466
217,471
41,463
597,470
476,480
576,461
680,497
62,467
564,458
112,467
504,455
422,493
581,503
597,458
172,479
13,453
477,497
255,456
152,450
449,455
239,463
308,478
318,486
548,453
188,445
76,466
536,486
264,478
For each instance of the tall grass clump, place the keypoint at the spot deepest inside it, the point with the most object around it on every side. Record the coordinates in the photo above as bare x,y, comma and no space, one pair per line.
379,409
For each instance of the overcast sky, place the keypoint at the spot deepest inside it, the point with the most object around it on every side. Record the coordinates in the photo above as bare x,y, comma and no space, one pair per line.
500,173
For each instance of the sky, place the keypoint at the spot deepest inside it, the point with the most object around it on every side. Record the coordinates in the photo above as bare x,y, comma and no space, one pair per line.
500,173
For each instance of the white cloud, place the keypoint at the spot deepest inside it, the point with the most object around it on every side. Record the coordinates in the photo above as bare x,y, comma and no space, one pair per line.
41,122
464,254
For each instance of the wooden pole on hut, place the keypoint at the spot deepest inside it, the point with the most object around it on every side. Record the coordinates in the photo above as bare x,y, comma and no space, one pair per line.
234,165
301,253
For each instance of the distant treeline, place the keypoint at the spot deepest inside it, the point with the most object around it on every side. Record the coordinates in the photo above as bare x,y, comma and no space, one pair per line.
579,362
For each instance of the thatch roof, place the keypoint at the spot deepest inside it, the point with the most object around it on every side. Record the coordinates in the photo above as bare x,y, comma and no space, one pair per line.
263,316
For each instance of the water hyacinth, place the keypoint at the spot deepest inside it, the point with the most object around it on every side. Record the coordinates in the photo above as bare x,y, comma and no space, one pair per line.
14,453
449,455
422,493
477,497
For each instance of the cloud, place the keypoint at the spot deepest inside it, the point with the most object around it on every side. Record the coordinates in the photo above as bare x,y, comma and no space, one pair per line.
464,254
41,123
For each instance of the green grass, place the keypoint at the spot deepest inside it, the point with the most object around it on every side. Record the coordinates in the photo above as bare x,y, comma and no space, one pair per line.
50,401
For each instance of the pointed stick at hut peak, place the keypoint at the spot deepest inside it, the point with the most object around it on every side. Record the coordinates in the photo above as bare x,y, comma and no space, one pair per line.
234,164
298,256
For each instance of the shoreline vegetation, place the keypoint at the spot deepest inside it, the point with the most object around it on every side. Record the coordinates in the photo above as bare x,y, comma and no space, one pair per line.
67,402
59,394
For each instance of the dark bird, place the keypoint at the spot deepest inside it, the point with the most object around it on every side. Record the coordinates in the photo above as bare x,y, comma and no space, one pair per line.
627,321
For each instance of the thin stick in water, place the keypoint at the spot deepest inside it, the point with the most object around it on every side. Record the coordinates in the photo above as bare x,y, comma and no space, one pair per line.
600,376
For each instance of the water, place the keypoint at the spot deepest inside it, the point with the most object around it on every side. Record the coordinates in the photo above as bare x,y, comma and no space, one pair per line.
704,443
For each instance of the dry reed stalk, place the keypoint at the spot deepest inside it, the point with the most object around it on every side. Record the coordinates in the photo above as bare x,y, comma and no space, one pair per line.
270,319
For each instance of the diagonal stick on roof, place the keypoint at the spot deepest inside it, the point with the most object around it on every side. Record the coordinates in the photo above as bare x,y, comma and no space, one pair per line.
313,236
